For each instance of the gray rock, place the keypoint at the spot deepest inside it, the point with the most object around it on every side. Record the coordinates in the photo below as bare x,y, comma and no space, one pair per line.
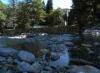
96,43
10,60
2,45
2,71
36,67
84,69
44,51
63,61
10,71
26,56
25,72
47,68
63,37
24,67
69,44
3,63
55,56
2,59
17,61
87,45
57,47
7,52
43,71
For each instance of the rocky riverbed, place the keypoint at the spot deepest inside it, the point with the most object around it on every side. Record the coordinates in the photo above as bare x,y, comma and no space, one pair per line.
13,60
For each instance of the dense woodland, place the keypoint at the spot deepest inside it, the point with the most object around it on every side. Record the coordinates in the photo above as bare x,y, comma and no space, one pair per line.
23,15
85,14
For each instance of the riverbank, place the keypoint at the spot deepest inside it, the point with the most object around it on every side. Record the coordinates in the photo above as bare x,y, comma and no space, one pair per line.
26,54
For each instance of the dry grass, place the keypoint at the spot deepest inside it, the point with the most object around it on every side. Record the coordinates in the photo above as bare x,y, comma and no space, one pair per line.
34,47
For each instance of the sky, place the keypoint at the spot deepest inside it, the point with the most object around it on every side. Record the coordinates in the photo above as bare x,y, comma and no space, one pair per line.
56,3
61,3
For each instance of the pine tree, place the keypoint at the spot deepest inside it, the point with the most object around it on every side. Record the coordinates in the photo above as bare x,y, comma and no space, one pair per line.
44,6
49,6
83,14
30,14
97,10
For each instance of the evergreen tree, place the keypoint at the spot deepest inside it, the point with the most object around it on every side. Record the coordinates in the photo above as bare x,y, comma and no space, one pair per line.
49,6
29,14
55,18
2,16
97,10
44,6
82,14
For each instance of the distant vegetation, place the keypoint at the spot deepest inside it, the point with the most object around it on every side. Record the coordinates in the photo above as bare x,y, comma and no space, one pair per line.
23,15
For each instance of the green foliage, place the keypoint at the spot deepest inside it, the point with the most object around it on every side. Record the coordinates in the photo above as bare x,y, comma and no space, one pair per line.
39,13
23,15
55,18
2,8
2,16
29,14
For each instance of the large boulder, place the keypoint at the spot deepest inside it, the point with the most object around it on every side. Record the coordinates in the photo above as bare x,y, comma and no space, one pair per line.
7,52
63,60
84,69
26,56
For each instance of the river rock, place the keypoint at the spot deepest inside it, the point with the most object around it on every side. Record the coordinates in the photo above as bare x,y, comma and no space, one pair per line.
96,44
55,56
2,59
10,71
63,61
84,69
24,67
36,67
10,60
43,71
26,56
86,45
7,52
2,71
69,44
47,68
57,47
